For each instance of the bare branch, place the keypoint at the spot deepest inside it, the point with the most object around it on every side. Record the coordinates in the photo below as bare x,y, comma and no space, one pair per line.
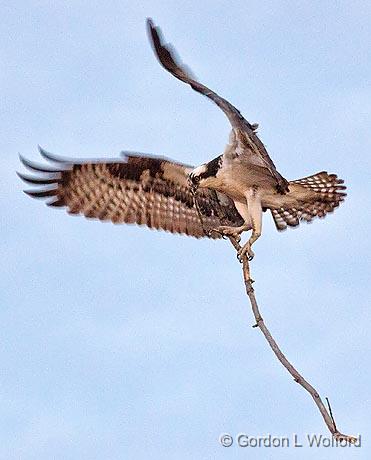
326,414
298,378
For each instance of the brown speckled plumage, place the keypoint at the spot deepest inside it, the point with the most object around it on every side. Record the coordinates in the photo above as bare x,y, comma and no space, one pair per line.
325,193
142,190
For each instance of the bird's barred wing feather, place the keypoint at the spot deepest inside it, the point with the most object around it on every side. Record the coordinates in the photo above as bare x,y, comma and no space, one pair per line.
251,146
322,194
137,189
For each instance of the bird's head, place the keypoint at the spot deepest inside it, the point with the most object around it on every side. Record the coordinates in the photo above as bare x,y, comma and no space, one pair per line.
197,177
205,176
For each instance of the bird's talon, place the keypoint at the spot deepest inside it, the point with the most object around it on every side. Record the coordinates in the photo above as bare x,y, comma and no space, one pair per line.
209,233
250,255
247,252
222,233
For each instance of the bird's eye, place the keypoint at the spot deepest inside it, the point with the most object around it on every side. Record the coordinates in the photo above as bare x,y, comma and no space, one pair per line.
196,179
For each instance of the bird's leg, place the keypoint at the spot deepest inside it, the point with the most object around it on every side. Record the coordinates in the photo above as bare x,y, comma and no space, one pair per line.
255,213
236,231
232,231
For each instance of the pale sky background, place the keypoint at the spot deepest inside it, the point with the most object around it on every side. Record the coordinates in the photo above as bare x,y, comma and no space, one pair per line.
118,342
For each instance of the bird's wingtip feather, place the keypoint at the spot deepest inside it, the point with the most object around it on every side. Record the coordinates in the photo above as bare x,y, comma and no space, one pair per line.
50,156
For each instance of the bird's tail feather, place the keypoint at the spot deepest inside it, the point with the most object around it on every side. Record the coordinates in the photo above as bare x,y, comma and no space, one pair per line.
321,193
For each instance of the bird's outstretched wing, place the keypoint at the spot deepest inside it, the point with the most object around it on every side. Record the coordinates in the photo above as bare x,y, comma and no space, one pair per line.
137,189
250,145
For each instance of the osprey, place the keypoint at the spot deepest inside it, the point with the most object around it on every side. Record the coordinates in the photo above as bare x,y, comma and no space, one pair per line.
225,196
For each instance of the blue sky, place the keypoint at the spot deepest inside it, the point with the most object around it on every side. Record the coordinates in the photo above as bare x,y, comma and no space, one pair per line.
119,342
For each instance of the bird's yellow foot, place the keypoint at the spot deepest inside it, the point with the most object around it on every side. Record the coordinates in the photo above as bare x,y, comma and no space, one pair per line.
228,231
245,251
213,231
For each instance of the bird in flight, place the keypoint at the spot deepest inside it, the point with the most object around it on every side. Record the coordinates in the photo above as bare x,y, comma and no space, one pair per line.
223,197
